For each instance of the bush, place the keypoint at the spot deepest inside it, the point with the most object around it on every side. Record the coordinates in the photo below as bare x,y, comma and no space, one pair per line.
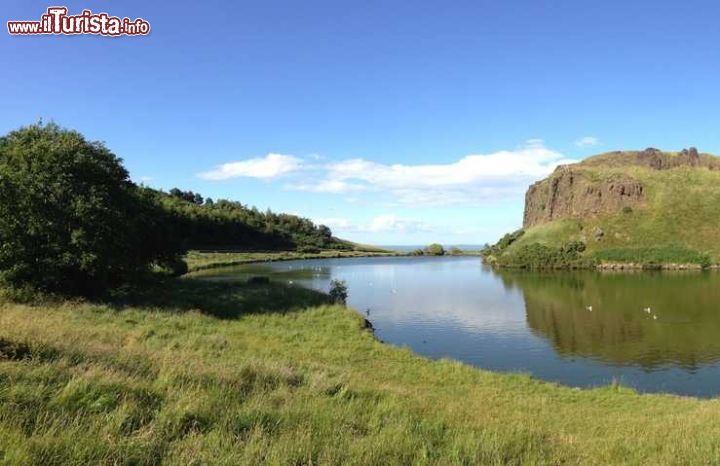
434,249
308,249
454,251
175,267
338,291
539,256
71,221
503,243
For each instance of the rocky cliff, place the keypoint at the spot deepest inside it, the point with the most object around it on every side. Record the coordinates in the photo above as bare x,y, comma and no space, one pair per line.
577,190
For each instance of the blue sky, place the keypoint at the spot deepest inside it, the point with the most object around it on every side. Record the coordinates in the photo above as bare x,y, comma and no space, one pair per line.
394,122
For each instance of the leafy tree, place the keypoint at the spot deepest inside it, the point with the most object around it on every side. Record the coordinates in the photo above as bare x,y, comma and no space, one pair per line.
434,249
70,218
224,224
324,231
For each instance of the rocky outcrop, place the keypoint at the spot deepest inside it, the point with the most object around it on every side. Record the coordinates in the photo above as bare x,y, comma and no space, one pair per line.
567,193
572,191
655,159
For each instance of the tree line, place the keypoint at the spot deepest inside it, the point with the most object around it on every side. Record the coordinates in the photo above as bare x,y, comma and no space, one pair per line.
226,224
72,221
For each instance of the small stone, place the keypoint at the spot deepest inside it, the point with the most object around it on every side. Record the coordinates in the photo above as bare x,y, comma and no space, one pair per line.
598,233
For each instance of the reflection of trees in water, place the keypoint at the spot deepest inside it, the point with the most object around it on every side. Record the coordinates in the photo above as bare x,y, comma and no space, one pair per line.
618,330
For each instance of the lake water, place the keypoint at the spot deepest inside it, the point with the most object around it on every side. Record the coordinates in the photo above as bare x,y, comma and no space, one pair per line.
656,332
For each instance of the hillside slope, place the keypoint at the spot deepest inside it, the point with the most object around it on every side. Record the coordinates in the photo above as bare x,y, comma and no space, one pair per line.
642,207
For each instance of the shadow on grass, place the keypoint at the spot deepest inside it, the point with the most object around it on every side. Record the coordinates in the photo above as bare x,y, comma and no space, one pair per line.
226,300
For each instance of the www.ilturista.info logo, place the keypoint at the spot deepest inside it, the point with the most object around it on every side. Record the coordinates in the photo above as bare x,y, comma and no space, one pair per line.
57,21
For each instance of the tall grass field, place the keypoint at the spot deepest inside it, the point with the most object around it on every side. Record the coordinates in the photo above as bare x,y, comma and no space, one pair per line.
193,372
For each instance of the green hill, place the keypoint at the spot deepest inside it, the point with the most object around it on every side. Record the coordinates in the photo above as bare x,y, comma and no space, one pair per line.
206,224
646,208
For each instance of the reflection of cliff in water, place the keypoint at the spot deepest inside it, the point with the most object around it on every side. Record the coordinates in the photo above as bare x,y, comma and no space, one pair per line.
682,328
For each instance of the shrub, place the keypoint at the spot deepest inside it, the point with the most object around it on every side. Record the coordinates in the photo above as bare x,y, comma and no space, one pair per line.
539,256
627,210
503,243
308,249
338,291
70,219
454,251
434,249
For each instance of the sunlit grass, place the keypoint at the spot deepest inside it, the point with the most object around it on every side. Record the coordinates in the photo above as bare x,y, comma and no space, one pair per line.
207,373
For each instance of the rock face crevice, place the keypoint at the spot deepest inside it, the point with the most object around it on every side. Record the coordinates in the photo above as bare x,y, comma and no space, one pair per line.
565,194
570,192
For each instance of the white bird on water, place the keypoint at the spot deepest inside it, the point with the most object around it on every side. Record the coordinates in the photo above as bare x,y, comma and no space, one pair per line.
589,308
648,310
654,317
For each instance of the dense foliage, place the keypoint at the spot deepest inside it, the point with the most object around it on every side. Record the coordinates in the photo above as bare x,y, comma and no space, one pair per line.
70,219
224,224
433,249
538,256
503,243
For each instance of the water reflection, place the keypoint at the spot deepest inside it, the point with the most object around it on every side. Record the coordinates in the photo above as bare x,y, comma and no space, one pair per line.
657,332
648,319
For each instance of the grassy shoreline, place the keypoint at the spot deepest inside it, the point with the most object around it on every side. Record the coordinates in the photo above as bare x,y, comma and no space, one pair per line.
204,260
197,260
236,373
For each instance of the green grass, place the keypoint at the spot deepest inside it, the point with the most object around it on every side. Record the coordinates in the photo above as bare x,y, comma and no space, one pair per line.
192,372
653,255
200,260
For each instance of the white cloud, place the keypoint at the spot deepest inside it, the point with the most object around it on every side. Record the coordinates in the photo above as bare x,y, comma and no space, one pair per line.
587,141
471,179
325,186
268,167
391,223
388,223
334,222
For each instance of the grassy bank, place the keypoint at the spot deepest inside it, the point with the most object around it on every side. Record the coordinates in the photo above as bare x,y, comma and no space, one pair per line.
676,223
194,373
198,260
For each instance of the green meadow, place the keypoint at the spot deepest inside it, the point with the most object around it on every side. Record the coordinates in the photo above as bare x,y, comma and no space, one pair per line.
194,372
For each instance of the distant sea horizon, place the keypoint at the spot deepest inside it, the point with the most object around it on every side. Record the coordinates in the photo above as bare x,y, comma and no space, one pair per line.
413,247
